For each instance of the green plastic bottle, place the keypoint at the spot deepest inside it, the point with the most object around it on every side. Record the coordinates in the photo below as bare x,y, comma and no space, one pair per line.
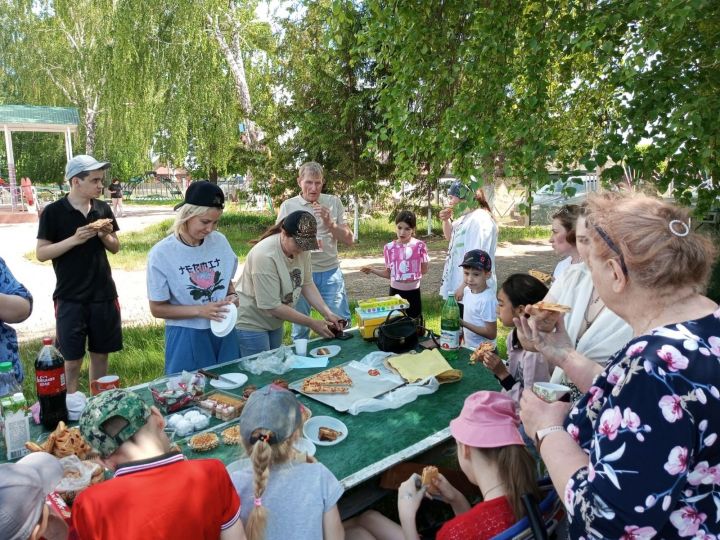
450,328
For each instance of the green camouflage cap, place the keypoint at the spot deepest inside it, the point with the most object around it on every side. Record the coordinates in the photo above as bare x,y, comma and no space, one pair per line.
111,404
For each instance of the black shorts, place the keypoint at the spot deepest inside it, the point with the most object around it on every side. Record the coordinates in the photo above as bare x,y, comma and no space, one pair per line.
97,322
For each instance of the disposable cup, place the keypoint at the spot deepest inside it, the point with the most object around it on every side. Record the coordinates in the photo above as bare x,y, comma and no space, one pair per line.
301,346
550,391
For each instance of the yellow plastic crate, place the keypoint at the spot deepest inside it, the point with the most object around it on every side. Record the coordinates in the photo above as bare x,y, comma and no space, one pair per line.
372,307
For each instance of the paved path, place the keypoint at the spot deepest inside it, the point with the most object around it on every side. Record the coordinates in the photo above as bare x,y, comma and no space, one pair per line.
18,239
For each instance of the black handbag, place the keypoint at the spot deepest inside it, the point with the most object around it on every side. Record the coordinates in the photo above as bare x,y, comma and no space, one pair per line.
399,334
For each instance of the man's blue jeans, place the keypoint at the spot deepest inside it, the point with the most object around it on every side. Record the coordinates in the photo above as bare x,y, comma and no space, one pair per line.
256,341
331,285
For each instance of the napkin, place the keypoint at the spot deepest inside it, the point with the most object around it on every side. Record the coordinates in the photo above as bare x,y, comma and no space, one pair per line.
416,367
309,362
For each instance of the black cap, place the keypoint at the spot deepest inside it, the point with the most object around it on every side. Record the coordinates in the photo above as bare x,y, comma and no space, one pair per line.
302,226
478,259
204,193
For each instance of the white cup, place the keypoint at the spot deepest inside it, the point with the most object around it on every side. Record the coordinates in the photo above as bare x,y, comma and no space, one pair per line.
301,346
550,391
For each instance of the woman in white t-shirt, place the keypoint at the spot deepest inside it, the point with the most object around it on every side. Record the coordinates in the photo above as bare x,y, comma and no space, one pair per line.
189,282
562,238
474,229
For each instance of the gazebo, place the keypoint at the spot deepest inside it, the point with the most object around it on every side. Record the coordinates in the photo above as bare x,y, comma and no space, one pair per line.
37,119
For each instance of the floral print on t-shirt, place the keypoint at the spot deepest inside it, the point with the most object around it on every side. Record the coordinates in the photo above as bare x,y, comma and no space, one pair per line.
650,425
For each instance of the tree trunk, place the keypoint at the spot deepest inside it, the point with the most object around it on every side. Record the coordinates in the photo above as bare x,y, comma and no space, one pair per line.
90,129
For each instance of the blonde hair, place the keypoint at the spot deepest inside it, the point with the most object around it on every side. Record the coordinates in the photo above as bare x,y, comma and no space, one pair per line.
184,214
263,455
516,469
660,249
311,169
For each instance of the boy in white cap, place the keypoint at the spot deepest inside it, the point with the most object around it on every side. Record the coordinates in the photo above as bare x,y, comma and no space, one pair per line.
86,300
23,488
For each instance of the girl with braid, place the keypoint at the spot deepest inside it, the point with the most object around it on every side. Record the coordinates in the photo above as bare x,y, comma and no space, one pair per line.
280,494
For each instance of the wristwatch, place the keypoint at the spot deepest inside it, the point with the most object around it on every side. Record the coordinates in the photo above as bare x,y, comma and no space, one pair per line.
540,434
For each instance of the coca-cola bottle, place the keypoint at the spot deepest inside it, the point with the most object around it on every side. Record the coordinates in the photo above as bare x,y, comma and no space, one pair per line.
50,385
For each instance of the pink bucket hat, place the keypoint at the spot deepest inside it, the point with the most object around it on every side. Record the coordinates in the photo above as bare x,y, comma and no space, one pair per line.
487,420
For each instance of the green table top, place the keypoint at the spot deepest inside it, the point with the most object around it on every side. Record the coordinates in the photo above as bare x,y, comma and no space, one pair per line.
376,440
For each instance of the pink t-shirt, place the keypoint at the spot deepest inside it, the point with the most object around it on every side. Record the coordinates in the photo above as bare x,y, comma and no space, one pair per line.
404,262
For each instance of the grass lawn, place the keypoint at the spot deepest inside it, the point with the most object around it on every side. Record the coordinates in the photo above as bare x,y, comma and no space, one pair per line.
240,227
143,358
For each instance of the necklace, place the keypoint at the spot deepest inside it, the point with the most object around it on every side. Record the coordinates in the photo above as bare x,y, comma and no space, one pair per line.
182,239
485,494
586,316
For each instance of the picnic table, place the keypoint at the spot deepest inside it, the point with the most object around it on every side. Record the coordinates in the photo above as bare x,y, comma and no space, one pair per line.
376,440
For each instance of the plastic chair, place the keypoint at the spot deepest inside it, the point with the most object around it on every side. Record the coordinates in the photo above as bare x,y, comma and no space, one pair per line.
541,520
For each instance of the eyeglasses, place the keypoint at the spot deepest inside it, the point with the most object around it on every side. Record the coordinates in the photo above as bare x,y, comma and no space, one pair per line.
612,245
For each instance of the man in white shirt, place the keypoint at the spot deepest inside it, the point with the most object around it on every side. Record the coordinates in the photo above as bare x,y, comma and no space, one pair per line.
331,229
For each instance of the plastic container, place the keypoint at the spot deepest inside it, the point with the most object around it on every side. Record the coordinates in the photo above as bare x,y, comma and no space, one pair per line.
372,307
368,323
171,394
8,382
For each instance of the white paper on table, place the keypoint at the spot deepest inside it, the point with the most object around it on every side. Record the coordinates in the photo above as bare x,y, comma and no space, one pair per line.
300,362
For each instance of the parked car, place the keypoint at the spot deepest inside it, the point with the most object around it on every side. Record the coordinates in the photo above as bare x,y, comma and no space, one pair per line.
552,196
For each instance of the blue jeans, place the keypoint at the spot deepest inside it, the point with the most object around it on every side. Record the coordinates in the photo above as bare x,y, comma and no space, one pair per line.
331,285
257,341
190,349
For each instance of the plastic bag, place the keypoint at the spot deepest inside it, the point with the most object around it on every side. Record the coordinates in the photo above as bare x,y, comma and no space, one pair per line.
77,475
277,361
396,398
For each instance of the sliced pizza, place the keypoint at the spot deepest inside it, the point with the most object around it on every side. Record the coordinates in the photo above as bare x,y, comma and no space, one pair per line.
99,223
333,376
316,388
542,276
549,306
484,347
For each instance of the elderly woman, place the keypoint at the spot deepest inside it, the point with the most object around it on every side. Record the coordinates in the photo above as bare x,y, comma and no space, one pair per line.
637,456
276,272
474,229
189,282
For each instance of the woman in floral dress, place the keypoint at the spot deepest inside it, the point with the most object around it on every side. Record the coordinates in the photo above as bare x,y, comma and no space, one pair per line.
189,282
638,456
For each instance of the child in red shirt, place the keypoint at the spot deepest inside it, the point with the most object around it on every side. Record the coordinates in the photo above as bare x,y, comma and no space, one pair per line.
492,454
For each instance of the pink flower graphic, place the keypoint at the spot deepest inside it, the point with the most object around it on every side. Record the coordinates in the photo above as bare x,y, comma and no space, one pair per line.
610,422
633,532
671,407
714,342
636,349
203,278
687,520
616,373
631,420
574,432
673,358
677,460
595,394
702,474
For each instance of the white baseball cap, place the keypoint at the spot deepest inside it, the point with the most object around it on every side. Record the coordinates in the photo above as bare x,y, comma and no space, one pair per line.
83,163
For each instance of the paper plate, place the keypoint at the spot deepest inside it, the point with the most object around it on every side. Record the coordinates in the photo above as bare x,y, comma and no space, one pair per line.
224,327
304,445
312,427
239,378
334,349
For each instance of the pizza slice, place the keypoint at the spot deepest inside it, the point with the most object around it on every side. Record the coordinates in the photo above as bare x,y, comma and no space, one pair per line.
484,347
549,306
542,276
316,388
332,376
99,223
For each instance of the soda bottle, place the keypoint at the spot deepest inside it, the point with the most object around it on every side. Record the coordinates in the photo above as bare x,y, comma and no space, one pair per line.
450,328
50,385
